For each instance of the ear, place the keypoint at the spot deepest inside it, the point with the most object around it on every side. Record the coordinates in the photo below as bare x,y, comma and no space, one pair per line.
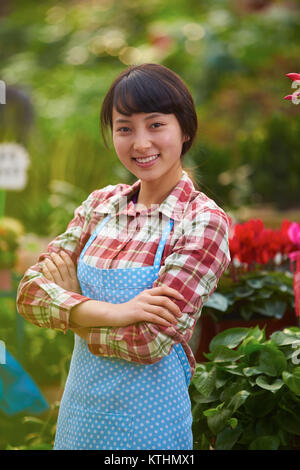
186,138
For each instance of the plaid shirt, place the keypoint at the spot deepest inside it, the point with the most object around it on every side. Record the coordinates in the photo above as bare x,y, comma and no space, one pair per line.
196,254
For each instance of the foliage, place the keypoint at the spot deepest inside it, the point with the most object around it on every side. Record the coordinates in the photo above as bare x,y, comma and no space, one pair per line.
44,353
273,154
23,432
258,282
60,61
10,232
253,295
247,395
64,199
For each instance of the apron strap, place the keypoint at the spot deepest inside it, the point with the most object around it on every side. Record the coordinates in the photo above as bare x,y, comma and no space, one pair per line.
162,243
160,249
94,234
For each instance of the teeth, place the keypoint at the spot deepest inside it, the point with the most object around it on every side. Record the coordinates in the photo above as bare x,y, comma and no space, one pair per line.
148,159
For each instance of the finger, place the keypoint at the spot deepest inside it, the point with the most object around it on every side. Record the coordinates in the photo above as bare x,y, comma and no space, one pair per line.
165,290
69,263
166,303
61,266
47,273
158,320
163,313
53,270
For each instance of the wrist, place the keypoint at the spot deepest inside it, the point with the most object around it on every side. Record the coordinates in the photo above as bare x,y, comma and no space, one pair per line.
91,313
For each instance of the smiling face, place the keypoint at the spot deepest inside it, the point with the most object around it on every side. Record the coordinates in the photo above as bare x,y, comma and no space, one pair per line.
140,136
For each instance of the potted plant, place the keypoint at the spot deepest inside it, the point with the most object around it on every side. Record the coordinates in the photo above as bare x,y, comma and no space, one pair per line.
246,396
258,286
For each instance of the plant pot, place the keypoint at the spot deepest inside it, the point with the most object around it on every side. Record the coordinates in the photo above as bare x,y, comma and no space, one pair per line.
210,328
5,280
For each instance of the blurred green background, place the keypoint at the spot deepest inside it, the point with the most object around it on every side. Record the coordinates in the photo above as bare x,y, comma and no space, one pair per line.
58,60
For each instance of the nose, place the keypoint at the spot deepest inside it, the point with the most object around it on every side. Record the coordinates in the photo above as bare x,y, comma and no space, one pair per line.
141,142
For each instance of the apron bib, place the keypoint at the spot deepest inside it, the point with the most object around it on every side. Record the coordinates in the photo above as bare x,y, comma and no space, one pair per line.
113,404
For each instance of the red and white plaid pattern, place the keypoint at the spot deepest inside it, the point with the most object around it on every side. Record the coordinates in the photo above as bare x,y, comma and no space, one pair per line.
195,256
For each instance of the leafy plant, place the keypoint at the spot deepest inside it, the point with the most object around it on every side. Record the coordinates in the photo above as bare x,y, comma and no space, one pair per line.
254,294
247,395
10,231
23,432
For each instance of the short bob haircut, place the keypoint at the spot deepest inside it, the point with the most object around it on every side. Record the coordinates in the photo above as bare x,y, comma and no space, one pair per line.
148,88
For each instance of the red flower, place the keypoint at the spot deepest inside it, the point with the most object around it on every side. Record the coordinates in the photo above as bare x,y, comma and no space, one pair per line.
290,97
293,76
252,243
243,244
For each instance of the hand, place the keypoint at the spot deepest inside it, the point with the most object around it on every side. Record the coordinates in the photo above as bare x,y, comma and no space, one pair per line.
82,332
61,270
151,305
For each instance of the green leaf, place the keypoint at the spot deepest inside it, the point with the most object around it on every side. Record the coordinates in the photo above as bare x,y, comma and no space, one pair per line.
234,369
218,302
255,283
238,400
271,308
292,380
223,354
261,403
219,420
282,338
263,294
242,292
271,361
205,382
228,437
213,411
268,383
246,311
265,443
288,421
230,338
233,423
249,371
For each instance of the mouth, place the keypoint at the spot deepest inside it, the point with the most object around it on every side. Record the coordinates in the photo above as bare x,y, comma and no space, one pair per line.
146,161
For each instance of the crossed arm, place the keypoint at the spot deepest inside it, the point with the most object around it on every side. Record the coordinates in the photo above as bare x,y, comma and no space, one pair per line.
151,305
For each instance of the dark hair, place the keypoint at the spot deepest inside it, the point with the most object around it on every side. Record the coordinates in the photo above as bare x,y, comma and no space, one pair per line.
147,88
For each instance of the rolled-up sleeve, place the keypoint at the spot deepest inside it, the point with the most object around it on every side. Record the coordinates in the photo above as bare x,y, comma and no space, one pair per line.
196,263
41,301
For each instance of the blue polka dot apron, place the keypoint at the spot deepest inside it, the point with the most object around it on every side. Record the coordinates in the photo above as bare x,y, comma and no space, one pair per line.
112,404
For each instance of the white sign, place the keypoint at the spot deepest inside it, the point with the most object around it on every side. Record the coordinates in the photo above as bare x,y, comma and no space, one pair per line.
2,92
14,161
2,353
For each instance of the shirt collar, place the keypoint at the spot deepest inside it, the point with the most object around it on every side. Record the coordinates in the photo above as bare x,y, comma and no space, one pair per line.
174,206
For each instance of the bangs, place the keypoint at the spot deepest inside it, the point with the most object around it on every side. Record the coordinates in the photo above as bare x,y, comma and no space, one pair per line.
140,93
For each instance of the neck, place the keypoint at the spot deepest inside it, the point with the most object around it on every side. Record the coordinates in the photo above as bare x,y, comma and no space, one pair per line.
156,191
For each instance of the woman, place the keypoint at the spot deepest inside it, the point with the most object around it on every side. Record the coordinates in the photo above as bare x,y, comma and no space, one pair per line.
130,276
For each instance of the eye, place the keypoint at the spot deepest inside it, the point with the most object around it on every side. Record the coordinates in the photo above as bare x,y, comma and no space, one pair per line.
157,124
122,129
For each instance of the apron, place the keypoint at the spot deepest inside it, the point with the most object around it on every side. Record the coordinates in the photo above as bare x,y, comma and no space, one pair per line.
113,404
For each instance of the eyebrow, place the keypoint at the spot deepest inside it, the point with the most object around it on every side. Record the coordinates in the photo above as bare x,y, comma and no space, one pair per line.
154,115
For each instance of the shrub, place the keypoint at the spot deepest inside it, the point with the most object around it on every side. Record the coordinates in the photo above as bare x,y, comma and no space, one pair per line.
247,395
